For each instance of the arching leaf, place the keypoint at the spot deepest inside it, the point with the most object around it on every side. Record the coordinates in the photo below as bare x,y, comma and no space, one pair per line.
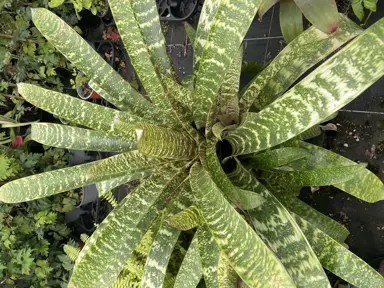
191,33
291,20
187,219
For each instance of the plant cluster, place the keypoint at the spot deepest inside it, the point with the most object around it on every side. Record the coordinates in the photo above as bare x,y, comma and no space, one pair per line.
221,165
32,233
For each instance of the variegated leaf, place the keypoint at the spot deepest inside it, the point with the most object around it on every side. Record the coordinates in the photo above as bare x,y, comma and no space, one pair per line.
117,236
208,13
249,200
78,138
275,158
86,59
356,186
165,143
107,185
335,83
229,95
190,271
231,21
275,224
317,177
329,226
291,20
301,54
209,256
227,276
247,253
61,180
97,117
338,259
187,219
162,247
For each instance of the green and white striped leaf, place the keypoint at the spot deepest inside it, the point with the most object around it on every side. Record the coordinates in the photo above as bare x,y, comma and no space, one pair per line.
229,96
275,224
191,33
61,180
309,133
187,219
96,117
165,143
324,91
107,185
231,21
356,186
190,271
329,226
321,13
209,256
291,20
275,158
147,17
247,253
207,15
337,259
227,276
78,138
117,236
86,59
301,54
162,247
318,177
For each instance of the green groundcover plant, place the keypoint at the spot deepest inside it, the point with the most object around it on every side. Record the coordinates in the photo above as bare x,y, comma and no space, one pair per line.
211,166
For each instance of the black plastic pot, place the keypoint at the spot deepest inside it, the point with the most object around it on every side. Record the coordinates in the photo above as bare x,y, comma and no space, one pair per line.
176,10
107,17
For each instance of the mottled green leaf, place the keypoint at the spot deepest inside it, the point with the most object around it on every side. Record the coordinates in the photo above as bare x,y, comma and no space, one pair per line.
117,236
229,94
190,271
107,185
227,276
247,253
306,50
275,224
162,247
218,53
94,116
275,158
321,13
291,20
209,256
187,219
86,59
332,85
339,260
165,143
309,133
61,180
249,200
78,138
317,177
252,68
356,186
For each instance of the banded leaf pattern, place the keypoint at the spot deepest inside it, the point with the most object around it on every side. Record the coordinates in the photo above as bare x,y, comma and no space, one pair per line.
227,276
275,224
190,271
162,247
306,50
232,21
110,121
117,236
78,138
324,91
338,259
86,59
187,219
61,180
165,143
247,253
209,255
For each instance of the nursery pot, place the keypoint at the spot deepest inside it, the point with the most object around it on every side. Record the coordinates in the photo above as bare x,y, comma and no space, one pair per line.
90,194
176,10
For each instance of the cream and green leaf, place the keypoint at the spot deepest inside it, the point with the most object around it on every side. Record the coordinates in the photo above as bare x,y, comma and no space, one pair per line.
219,169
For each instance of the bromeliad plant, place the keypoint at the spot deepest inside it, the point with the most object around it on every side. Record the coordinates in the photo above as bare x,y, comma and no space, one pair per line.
247,220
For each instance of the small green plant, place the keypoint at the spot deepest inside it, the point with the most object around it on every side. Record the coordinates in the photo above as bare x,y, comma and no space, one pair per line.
92,5
32,233
220,165
360,7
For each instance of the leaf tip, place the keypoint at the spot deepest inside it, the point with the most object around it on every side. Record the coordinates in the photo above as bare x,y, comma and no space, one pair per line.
333,27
